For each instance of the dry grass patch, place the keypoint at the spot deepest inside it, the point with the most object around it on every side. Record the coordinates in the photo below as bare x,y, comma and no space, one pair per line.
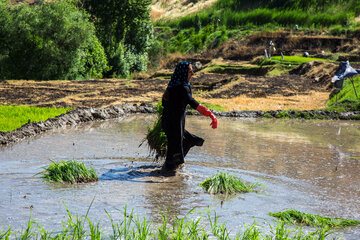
314,100
169,9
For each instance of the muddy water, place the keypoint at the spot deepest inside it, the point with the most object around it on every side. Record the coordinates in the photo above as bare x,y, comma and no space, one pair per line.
311,166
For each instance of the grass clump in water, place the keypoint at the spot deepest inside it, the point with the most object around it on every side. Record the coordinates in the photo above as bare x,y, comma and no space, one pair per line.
69,172
226,184
297,217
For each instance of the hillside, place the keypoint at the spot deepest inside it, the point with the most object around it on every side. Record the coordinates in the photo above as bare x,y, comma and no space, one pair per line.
177,8
231,70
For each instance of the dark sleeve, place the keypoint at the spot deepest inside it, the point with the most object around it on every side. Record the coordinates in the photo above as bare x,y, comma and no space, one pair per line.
189,99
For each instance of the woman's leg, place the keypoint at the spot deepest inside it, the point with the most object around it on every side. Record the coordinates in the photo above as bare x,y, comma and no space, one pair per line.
191,140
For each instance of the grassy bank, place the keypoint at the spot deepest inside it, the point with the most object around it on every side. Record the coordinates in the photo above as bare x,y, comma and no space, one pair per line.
242,13
13,117
237,18
346,99
136,228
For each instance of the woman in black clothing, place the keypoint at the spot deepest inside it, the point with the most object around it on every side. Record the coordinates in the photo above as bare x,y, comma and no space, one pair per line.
175,99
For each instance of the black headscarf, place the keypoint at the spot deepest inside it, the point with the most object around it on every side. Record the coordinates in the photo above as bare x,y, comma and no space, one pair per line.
180,75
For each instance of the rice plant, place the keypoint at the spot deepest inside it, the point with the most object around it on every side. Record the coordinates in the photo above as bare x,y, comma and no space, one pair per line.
131,227
13,117
226,184
5,234
297,217
68,172
155,137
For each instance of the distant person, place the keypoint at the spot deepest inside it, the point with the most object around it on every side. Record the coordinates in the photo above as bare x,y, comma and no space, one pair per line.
296,27
175,99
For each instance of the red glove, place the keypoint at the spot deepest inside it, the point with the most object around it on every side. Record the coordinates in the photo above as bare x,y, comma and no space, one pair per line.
207,113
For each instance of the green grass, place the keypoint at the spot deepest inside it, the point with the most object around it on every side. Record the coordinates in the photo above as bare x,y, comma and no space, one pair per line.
156,138
132,227
297,217
224,183
215,107
237,14
68,172
296,59
13,117
346,99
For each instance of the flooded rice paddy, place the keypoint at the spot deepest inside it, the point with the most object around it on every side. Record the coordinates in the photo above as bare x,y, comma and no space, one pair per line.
311,166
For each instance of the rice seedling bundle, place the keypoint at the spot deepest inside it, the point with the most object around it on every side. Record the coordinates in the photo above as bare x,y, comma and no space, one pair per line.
155,137
226,184
69,172
297,217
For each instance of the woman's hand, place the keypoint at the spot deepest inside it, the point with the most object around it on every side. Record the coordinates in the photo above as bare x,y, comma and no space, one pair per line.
207,113
213,124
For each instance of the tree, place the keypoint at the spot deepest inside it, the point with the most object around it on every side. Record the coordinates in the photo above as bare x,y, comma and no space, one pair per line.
50,41
124,29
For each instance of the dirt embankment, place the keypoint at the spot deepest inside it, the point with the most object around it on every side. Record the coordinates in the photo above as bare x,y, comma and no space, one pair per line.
72,118
97,93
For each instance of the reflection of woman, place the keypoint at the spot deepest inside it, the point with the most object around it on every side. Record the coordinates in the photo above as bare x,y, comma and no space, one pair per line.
175,99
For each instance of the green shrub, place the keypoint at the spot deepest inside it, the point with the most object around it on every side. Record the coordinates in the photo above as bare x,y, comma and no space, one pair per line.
50,40
226,184
126,32
297,217
68,172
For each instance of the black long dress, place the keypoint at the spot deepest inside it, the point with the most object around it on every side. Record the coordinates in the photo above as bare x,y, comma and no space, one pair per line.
180,141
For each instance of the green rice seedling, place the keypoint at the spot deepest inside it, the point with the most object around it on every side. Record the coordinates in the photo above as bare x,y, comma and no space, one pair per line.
95,232
5,234
162,230
226,184
142,229
251,232
133,228
156,137
297,217
13,117
43,233
281,232
123,229
69,172
27,234
194,229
